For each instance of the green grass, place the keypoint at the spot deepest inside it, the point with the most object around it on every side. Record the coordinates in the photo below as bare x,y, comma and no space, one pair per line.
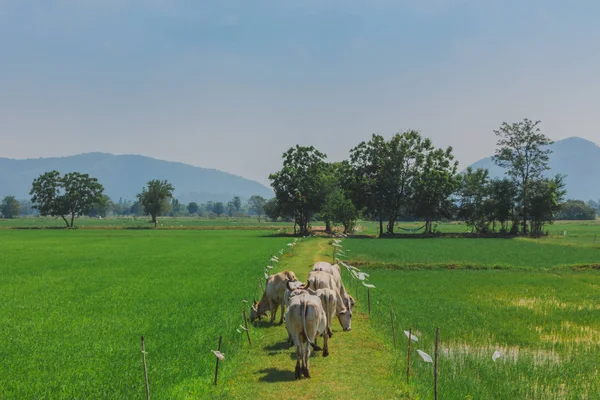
541,313
75,303
547,324
473,253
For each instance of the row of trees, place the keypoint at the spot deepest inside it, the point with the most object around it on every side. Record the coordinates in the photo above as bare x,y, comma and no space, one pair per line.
76,194
407,177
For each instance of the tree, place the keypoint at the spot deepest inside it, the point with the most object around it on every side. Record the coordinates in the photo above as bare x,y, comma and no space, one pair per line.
299,185
70,195
385,173
10,207
256,204
272,209
369,161
176,207
546,196
521,150
102,207
339,209
237,203
576,210
436,182
193,208
154,198
475,205
230,208
218,208
502,194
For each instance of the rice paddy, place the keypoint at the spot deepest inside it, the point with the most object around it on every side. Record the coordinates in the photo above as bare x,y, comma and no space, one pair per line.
75,303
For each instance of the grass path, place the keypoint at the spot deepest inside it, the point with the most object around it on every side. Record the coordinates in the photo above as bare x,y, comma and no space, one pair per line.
359,365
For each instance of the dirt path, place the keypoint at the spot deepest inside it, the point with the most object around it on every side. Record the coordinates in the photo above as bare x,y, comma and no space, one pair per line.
358,366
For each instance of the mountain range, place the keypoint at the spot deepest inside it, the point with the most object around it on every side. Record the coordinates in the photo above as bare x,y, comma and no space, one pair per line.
123,176
574,157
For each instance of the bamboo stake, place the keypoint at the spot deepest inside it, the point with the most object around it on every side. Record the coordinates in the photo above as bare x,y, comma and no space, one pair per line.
435,365
408,357
217,365
246,325
369,299
145,370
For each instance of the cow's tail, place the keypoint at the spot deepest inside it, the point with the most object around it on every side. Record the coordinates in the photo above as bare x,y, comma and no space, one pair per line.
304,312
327,311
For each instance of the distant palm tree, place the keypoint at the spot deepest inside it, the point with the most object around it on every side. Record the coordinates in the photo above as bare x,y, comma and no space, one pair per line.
154,198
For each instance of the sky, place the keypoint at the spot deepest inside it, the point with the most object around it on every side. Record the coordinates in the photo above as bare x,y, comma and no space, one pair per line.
233,84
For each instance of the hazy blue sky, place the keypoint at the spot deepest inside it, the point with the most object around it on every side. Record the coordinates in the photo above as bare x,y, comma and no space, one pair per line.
232,84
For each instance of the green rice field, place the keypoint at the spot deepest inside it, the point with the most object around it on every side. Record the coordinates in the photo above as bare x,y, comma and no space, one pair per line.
76,302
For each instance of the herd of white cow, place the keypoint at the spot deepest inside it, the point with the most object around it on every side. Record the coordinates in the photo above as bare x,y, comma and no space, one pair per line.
310,308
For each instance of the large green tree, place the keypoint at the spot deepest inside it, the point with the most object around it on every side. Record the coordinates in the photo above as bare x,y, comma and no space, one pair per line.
299,185
522,150
256,204
218,208
154,198
69,195
385,174
546,196
436,182
9,208
339,210
474,198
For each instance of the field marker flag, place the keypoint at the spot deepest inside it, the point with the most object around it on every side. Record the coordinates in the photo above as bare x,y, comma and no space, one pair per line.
497,354
275,259
243,328
269,266
219,355
411,336
369,285
266,276
426,357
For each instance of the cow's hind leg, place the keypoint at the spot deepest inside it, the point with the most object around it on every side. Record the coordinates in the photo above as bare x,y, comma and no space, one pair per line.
306,360
273,308
282,313
298,358
326,345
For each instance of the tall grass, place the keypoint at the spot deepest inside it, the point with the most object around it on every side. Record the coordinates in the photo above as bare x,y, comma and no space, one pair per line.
75,303
546,322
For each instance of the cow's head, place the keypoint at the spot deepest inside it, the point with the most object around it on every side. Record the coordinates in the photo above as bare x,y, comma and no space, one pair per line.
345,318
349,300
254,315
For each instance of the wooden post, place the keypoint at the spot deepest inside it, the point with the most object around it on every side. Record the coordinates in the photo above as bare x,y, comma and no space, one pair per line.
246,325
435,365
217,366
393,329
408,357
369,299
145,370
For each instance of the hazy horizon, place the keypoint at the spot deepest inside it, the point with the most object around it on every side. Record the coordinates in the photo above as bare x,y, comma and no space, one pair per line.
232,85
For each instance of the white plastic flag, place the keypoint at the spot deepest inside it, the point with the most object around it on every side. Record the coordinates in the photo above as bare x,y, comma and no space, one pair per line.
426,357
219,355
411,337
497,354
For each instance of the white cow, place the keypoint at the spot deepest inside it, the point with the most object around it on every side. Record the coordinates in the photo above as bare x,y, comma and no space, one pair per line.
306,320
273,297
331,305
336,272
323,280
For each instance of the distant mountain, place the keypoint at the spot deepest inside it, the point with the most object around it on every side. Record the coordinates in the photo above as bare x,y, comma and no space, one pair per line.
574,157
125,175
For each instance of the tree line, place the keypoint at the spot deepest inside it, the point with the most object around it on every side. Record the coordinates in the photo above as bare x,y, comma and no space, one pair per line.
76,194
408,178
403,178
